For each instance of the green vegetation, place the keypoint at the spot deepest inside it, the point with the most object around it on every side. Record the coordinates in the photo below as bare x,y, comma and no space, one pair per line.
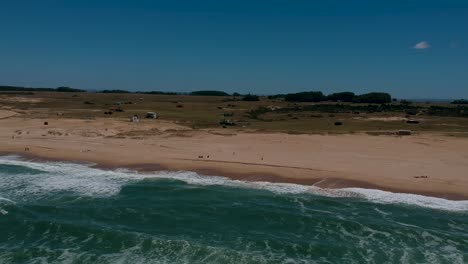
250,98
69,90
459,111
341,97
114,91
30,89
461,101
305,97
317,96
159,93
373,98
276,96
405,102
209,93
312,96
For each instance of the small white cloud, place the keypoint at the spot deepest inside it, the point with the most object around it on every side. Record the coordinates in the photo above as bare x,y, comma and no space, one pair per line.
422,45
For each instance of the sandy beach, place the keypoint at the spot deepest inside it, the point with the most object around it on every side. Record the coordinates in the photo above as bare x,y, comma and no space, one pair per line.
427,164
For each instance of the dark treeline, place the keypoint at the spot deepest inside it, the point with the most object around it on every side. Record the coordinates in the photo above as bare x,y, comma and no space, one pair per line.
312,96
250,98
209,93
69,89
461,101
30,89
141,92
114,91
317,96
194,93
160,93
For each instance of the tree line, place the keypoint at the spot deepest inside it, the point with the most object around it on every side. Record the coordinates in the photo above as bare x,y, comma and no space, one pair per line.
460,101
310,96
30,89
317,96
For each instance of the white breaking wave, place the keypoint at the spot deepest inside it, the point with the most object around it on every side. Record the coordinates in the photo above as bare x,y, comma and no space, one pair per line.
5,201
89,181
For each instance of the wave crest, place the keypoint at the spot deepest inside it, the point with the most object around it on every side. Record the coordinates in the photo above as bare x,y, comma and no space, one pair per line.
88,181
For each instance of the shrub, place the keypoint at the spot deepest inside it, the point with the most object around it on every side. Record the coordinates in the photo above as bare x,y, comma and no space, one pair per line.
461,101
114,91
405,102
373,98
209,93
250,98
305,97
343,97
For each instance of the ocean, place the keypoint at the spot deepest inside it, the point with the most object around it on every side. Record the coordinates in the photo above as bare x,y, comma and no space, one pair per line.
56,212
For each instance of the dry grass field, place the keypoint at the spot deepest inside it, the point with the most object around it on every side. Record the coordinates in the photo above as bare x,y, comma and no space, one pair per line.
208,111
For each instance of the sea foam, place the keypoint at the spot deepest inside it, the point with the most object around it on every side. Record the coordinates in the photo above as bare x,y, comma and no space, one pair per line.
3,203
89,181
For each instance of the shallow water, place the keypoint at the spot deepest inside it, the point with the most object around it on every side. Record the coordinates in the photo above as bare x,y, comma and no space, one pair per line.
69,213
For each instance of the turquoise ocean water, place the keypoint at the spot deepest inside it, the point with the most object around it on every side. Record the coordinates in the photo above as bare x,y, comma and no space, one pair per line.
69,213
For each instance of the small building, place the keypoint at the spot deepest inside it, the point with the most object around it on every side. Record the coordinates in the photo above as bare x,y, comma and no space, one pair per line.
151,115
135,119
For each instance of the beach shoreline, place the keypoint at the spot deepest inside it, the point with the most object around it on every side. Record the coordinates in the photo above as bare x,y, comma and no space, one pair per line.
431,165
324,183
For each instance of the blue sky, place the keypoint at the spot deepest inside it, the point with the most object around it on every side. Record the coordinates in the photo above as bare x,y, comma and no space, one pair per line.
411,49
